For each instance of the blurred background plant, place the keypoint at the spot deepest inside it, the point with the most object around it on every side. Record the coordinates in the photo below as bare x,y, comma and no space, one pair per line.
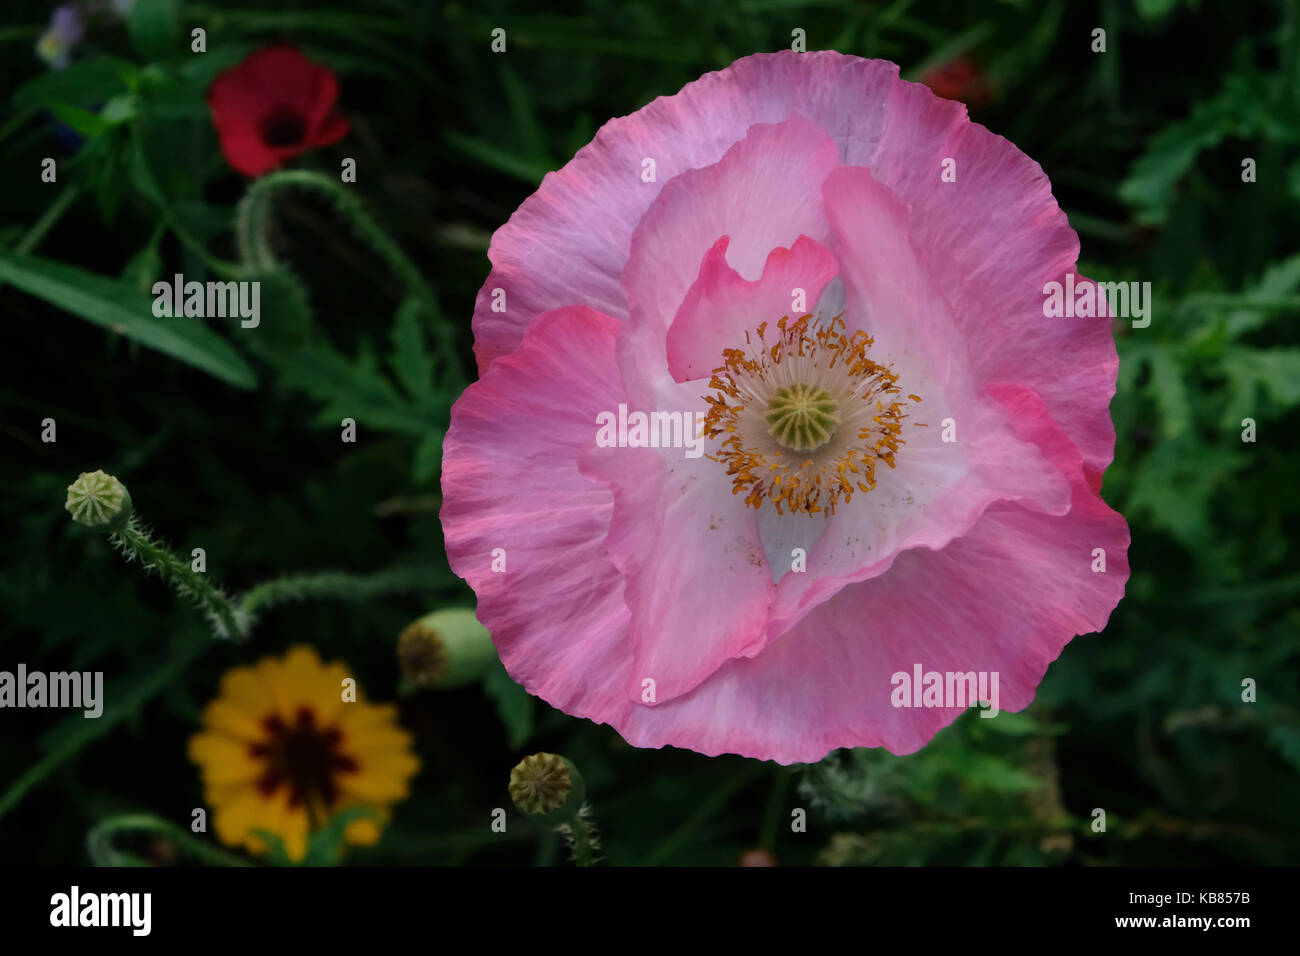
228,437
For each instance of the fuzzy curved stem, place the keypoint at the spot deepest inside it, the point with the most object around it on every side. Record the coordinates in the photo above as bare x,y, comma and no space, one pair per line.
333,584
254,213
99,842
136,544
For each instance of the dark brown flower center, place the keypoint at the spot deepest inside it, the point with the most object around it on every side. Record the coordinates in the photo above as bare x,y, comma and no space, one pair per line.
284,127
306,758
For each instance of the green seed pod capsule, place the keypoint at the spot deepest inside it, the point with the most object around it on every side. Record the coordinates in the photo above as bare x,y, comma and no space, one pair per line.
99,501
447,648
548,788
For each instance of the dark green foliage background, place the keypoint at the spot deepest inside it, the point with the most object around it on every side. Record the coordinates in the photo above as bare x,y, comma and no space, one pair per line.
1143,145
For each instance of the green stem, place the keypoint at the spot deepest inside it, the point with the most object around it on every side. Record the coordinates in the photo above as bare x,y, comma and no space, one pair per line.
99,842
136,544
235,618
53,213
220,267
334,584
89,730
710,805
253,216
580,832
772,815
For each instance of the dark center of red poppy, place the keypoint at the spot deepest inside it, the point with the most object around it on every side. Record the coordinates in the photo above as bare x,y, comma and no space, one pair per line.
306,758
283,127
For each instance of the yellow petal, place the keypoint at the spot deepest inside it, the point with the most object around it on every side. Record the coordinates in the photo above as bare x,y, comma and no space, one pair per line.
223,761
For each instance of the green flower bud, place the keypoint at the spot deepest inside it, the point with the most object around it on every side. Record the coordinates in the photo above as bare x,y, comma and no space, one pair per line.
547,787
99,501
447,648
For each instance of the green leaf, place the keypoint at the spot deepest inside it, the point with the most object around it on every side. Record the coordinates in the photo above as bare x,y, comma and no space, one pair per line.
143,269
142,175
502,160
1240,109
352,390
428,456
154,26
286,324
1155,9
1016,725
409,359
1276,371
84,84
325,846
1280,279
202,70
103,163
514,705
82,122
1287,740
116,306
1170,391
202,220
1178,463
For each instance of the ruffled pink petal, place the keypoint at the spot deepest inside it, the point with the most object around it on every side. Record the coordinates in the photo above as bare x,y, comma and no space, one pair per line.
722,307
1007,597
575,232
938,489
512,489
765,192
997,226
997,235
697,584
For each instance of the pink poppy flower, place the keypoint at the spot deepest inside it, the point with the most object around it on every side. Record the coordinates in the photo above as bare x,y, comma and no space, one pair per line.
776,251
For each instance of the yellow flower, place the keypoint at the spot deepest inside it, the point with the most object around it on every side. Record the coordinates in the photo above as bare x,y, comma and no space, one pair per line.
282,750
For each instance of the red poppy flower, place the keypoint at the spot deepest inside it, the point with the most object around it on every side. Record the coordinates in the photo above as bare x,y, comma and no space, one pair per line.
960,79
273,106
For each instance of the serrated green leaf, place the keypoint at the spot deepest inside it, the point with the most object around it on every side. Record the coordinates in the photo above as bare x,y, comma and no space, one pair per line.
1279,279
286,324
1170,391
352,389
1275,371
410,361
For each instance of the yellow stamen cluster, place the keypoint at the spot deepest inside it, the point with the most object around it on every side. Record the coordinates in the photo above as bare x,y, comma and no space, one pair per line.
800,464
